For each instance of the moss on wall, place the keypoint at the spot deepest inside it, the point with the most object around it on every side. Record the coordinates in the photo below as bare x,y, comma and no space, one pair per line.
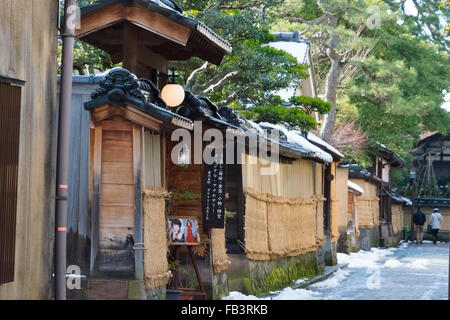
266,276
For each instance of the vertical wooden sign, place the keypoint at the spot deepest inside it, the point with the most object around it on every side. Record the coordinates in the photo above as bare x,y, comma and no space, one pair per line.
213,197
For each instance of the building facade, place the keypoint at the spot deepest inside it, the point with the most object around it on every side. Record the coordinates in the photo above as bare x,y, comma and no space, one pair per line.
28,67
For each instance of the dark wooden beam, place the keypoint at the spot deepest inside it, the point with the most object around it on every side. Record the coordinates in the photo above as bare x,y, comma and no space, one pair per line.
130,48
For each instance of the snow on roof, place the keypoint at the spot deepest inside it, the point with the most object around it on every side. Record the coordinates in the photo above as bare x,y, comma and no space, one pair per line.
298,49
295,138
255,126
408,202
312,137
355,187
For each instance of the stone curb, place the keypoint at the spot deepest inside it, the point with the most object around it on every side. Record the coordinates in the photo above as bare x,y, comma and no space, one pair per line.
329,271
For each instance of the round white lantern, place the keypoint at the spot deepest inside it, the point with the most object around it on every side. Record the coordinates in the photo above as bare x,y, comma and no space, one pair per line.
173,94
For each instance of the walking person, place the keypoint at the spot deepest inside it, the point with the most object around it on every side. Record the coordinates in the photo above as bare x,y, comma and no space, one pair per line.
419,219
435,221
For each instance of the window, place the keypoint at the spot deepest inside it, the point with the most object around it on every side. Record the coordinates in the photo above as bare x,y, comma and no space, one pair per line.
10,102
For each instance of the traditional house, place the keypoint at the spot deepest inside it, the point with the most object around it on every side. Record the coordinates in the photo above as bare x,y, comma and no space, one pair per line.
384,161
378,213
367,206
431,158
28,131
301,50
120,180
276,210
350,240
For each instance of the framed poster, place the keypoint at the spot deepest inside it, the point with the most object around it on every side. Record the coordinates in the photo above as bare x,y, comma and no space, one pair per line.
183,231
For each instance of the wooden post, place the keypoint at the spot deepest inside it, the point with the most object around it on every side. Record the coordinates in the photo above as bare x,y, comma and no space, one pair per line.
176,276
130,48
197,273
138,229
97,167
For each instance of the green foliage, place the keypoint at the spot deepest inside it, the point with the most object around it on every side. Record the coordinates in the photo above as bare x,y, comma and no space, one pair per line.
311,104
281,277
230,214
293,118
399,91
253,71
184,195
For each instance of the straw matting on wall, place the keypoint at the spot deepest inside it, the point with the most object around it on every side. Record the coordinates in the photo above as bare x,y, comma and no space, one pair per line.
218,251
397,218
155,238
256,237
367,210
320,241
294,179
280,226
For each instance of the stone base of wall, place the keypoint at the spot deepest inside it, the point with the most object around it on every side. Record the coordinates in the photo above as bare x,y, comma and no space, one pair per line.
220,286
393,241
259,277
348,242
369,238
330,248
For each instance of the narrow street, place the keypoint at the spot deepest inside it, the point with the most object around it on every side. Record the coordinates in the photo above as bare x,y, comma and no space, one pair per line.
408,272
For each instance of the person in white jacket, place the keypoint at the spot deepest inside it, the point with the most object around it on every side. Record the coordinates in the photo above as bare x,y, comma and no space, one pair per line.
435,221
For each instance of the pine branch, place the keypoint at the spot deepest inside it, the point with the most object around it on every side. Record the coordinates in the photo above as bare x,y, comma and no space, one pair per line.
191,78
219,84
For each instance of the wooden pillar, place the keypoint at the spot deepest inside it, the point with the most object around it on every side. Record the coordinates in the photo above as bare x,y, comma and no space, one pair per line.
96,195
138,226
130,48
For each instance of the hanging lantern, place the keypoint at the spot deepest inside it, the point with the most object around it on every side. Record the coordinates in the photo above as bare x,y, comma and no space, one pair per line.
173,93
184,156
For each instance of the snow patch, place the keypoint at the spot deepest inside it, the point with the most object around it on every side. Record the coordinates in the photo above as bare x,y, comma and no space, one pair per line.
366,259
285,294
234,295
312,137
300,281
343,258
334,281
392,263
294,137
354,186
296,294
418,264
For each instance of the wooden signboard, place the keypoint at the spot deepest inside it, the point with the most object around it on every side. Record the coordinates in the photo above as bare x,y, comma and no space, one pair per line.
214,195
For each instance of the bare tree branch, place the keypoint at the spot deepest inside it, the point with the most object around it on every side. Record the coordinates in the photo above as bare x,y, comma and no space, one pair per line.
219,83
190,80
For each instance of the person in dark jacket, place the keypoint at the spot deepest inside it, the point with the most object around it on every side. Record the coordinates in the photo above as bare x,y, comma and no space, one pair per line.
419,219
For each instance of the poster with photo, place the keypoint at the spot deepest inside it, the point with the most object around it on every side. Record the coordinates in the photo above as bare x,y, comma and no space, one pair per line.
183,231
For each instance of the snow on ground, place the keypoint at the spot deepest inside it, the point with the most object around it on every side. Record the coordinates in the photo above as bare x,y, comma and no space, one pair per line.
334,281
364,259
234,295
409,272
297,294
419,264
392,263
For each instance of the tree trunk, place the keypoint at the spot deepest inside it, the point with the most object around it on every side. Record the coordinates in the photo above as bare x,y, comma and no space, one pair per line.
331,84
